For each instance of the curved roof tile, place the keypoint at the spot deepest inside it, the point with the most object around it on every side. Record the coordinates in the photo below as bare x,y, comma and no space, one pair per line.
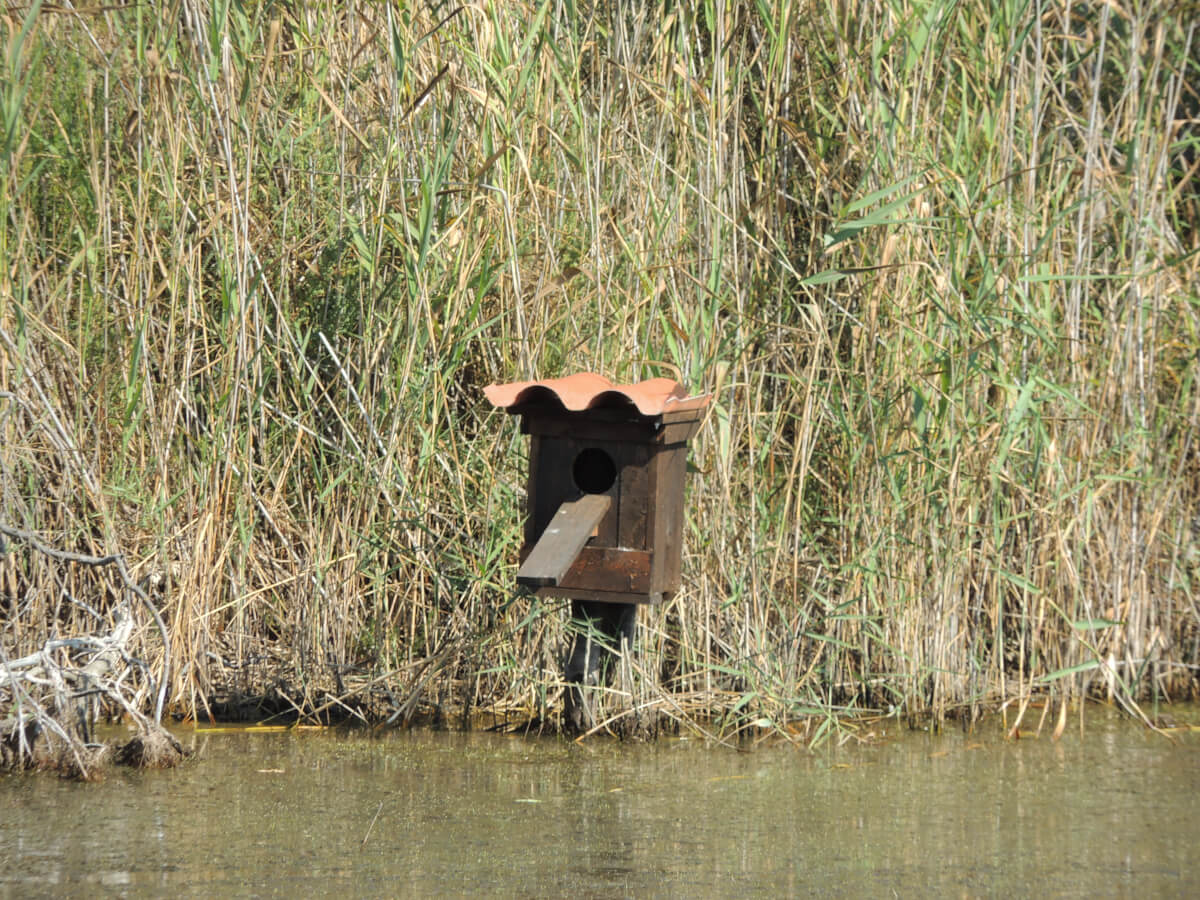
586,390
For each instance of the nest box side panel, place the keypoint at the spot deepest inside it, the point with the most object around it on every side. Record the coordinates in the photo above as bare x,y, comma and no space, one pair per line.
667,474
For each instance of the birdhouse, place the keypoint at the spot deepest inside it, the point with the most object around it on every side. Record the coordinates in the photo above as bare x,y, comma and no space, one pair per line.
604,508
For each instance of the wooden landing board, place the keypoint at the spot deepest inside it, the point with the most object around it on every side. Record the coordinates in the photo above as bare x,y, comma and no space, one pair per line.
562,540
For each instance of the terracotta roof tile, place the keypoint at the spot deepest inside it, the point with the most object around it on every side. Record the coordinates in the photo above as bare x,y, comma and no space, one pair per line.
586,390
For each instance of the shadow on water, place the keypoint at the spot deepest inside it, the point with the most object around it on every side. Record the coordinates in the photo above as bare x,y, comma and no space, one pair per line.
1111,812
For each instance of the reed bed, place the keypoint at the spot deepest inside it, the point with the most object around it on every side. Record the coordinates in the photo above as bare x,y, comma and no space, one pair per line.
937,261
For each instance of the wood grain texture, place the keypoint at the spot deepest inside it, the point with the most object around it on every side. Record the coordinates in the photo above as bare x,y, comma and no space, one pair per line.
559,545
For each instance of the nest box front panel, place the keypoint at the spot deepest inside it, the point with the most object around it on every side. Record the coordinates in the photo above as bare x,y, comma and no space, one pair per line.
563,468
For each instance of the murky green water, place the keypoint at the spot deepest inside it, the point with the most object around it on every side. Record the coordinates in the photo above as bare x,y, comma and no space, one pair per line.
1112,813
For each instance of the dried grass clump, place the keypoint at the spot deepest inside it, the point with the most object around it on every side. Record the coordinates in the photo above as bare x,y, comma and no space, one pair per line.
29,745
16,742
86,764
41,751
155,749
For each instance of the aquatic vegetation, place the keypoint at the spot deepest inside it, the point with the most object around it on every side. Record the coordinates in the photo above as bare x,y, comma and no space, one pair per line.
938,262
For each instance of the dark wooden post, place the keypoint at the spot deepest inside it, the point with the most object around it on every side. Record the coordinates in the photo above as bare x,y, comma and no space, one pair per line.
602,632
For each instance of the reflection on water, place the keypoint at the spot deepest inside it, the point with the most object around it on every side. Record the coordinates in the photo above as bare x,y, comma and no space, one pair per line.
421,813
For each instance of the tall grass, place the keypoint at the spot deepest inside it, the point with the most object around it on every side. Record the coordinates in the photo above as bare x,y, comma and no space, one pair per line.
938,261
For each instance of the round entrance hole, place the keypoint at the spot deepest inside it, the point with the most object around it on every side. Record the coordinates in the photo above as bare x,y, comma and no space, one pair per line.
594,471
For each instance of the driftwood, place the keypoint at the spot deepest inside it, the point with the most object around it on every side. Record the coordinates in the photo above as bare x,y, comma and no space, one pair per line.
54,696
114,559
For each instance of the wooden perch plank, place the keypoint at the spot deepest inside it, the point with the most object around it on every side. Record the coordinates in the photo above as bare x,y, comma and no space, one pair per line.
562,540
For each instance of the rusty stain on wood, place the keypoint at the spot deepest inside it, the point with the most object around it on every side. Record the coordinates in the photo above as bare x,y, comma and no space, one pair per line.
596,568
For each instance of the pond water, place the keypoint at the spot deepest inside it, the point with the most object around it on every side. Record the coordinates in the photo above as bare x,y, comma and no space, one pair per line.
1111,812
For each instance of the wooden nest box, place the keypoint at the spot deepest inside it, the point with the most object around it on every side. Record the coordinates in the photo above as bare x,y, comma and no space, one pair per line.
604,510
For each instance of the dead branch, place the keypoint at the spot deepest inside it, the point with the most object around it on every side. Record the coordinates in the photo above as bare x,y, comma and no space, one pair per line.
117,560
57,695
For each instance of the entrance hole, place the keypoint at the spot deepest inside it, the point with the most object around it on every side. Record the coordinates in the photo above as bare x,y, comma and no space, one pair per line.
594,471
